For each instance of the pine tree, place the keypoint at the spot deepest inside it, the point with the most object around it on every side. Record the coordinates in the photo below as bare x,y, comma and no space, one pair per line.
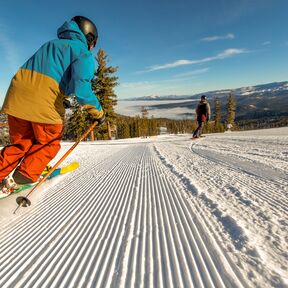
144,112
77,122
143,123
103,85
153,128
218,126
4,133
123,130
134,127
231,110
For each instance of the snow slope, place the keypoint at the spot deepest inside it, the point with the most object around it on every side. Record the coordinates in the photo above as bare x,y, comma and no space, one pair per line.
158,212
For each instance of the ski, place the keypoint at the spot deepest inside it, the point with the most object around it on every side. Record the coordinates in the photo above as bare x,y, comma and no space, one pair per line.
59,171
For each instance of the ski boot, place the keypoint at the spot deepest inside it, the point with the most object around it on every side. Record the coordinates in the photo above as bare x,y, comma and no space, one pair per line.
8,186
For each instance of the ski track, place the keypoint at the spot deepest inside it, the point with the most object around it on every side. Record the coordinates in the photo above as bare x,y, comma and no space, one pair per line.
275,200
237,200
133,216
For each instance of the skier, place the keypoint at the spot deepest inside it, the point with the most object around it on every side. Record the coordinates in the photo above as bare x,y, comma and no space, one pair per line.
203,115
35,101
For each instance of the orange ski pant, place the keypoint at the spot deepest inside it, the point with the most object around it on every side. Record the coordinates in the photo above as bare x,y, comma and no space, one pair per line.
35,144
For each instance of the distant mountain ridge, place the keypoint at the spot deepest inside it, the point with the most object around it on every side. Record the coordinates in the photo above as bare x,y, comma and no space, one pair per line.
253,102
243,91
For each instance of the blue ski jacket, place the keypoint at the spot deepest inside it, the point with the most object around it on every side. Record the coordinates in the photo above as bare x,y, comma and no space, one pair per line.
61,67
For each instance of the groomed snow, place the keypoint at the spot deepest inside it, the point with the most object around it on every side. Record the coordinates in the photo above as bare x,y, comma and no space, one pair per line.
158,212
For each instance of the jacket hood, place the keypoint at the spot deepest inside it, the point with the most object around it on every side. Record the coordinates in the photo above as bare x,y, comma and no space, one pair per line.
70,30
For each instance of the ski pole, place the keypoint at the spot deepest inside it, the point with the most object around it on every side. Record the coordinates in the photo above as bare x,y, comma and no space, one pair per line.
23,201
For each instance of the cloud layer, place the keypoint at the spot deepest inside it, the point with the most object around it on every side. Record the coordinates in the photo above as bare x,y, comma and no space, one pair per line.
225,54
216,38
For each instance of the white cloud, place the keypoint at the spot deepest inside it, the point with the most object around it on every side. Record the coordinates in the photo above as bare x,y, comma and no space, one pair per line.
192,73
216,38
172,65
229,53
266,43
225,54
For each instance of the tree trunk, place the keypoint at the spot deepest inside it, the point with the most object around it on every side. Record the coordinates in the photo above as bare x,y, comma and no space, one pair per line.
92,135
109,131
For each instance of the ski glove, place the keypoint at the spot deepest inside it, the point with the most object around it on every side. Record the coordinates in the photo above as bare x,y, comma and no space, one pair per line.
94,114
100,121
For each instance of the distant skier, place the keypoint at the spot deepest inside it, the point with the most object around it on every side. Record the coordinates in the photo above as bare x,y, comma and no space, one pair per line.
35,101
203,112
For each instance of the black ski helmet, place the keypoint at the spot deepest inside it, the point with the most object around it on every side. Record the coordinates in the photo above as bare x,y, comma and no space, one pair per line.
88,28
203,97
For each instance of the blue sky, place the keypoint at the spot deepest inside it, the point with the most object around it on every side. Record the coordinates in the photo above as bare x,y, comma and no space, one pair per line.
161,47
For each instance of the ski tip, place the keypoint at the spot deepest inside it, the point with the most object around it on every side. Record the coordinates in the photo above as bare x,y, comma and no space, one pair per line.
23,201
70,167
75,164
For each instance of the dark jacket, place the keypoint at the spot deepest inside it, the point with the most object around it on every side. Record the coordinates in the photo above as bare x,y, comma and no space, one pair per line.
203,111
